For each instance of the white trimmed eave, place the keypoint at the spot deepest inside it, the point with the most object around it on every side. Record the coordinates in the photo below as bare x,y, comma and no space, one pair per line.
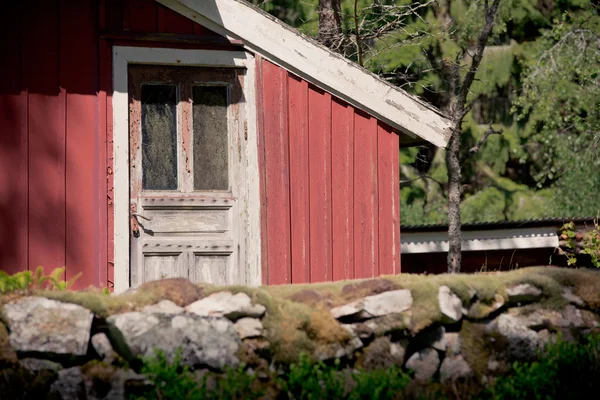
498,239
299,54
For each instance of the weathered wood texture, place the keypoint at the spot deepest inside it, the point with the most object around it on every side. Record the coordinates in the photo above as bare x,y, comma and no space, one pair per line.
56,128
331,192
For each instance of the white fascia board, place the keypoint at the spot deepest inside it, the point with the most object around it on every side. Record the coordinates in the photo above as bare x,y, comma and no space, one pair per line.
301,55
501,239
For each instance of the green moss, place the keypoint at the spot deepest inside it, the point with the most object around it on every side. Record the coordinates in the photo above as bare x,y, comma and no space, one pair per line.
101,304
8,357
474,347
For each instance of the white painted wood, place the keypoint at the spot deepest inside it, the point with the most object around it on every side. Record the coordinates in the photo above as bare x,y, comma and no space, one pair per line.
165,266
500,239
252,243
122,57
186,221
197,244
209,268
303,56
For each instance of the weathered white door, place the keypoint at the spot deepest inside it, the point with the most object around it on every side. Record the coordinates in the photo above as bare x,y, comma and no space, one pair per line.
187,190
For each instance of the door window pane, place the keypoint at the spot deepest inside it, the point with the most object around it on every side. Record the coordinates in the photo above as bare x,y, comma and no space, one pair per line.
211,170
159,137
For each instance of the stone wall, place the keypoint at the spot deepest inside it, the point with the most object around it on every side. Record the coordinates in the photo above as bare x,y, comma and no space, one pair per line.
444,328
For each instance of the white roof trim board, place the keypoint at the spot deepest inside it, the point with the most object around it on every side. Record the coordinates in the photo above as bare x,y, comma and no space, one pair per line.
301,55
497,239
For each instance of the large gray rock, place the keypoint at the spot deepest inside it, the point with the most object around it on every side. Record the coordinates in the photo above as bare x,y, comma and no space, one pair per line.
568,317
572,297
42,325
522,342
453,343
204,341
107,384
226,304
523,293
455,367
382,353
248,327
103,347
450,305
164,307
69,385
425,363
378,305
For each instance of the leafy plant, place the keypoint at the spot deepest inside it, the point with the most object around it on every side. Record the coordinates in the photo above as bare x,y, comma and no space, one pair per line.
307,380
564,371
25,281
171,379
590,243
379,384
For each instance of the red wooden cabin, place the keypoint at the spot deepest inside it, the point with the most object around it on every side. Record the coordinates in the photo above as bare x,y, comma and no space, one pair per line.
198,138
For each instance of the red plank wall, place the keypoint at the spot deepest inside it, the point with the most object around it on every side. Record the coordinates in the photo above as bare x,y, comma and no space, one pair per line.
329,172
56,129
330,189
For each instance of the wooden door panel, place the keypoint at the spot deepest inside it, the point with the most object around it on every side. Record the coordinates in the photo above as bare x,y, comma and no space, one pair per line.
211,268
189,224
165,265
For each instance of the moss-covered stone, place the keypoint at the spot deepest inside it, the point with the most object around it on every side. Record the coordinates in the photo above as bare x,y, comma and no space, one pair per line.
8,356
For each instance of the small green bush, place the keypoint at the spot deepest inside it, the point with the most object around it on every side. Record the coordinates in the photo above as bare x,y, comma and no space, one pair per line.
171,380
565,371
305,380
25,281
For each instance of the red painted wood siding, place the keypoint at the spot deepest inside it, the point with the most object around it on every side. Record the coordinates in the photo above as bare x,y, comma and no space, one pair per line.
330,189
329,194
56,129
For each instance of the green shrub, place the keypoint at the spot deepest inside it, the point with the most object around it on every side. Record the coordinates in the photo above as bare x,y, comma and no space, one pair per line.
565,371
26,280
307,380
380,384
171,380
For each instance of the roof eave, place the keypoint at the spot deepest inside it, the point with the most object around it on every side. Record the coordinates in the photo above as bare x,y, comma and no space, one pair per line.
301,55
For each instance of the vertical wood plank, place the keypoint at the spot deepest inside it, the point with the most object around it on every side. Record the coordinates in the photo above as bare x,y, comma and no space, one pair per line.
13,145
277,173
46,125
79,76
366,233
396,204
106,82
342,173
260,129
105,71
299,183
173,22
387,153
319,142
113,14
143,16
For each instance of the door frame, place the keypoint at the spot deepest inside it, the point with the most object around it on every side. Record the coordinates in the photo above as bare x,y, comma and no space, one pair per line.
122,56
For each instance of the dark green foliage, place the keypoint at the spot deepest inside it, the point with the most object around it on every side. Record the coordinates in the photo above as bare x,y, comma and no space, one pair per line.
380,384
309,381
305,380
566,371
172,380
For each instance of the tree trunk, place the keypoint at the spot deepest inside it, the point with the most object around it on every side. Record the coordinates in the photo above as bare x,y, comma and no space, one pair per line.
454,196
330,25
